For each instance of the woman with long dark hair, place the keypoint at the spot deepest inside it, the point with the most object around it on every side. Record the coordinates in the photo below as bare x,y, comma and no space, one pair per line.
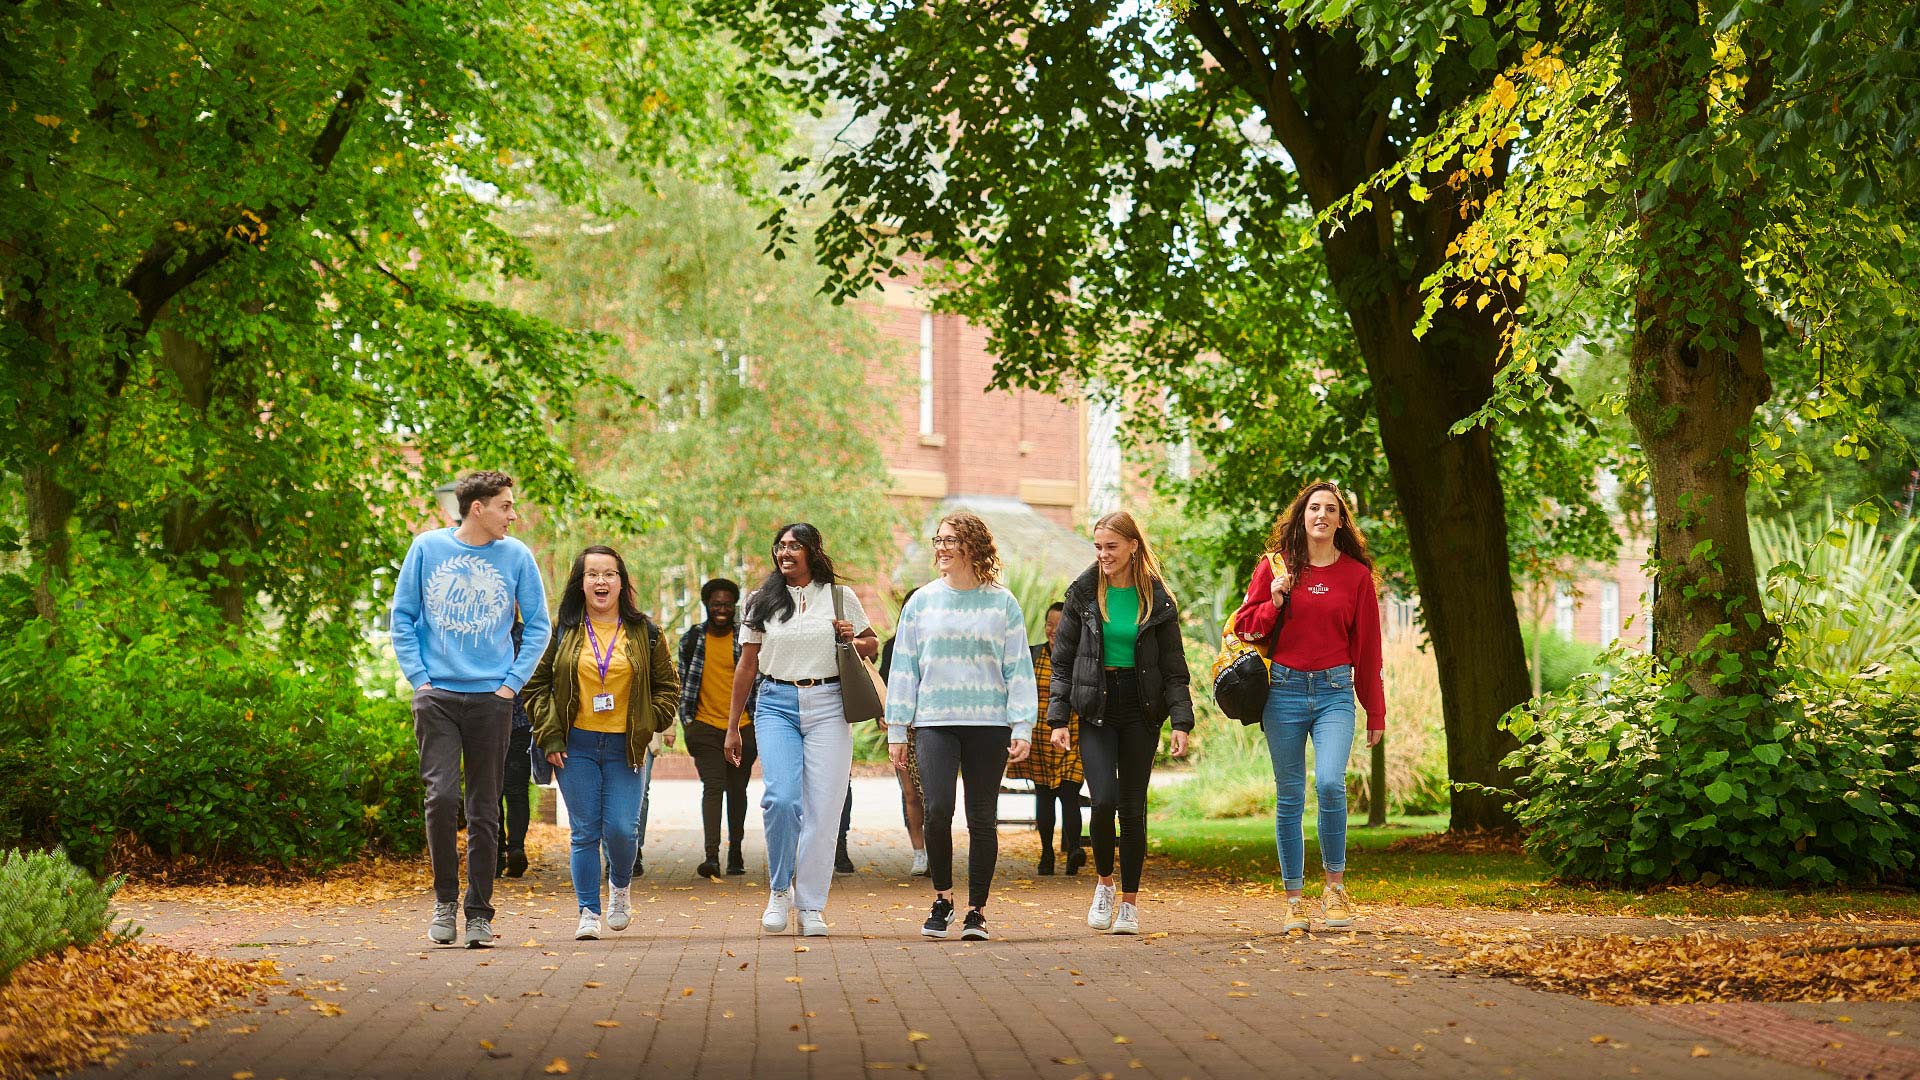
787,659
603,687
1328,649
1119,663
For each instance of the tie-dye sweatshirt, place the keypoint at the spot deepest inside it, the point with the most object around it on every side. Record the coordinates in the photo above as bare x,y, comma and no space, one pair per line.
960,658
453,613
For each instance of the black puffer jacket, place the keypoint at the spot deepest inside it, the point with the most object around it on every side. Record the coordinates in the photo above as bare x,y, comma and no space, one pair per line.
1079,669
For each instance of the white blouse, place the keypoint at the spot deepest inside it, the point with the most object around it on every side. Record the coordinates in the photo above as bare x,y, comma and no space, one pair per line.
802,646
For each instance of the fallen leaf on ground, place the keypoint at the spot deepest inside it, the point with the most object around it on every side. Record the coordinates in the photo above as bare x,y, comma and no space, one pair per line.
917,1036
606,1023
557,1067
1701,1051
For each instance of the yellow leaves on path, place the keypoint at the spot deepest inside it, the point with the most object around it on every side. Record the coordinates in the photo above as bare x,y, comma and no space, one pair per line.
1814,965
557,1067
606,1023
78,1006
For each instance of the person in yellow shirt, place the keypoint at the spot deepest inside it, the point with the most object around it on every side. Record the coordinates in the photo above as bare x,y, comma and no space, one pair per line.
603,687
708,653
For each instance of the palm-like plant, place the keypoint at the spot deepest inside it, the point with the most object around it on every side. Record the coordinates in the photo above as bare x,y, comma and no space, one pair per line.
1843,592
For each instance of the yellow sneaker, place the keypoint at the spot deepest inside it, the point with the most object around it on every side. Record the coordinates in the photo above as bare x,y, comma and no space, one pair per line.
1296,916
1335,906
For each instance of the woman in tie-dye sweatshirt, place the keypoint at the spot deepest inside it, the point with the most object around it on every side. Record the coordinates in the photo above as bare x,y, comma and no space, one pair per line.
962,688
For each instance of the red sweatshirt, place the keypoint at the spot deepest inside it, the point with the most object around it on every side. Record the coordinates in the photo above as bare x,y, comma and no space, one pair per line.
1333,618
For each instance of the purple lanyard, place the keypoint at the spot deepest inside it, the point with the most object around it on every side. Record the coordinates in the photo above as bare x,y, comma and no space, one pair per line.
606,661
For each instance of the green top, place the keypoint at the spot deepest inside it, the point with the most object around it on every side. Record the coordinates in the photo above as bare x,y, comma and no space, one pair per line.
1120,626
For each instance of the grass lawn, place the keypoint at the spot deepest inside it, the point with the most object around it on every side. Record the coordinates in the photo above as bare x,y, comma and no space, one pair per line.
1242,848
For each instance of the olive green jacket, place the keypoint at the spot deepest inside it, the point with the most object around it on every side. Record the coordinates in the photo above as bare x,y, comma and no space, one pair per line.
652,699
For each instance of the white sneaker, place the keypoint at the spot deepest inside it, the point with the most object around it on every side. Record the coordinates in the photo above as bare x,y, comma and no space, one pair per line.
919,862
620,908
779,910
1128,919
813,924
589,928
1100,914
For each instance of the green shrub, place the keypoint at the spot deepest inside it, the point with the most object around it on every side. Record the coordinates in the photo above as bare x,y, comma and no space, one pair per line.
1644,781
1843,592
50,905
1562,659
198,740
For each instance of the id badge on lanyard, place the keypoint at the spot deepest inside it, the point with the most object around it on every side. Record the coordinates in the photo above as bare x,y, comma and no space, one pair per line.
603,701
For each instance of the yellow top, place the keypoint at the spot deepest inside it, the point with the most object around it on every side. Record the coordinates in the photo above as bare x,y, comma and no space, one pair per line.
716,684
619,681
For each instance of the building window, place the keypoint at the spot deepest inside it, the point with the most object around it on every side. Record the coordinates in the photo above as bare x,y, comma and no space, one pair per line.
926,373
1103,457
1609,612
1563,611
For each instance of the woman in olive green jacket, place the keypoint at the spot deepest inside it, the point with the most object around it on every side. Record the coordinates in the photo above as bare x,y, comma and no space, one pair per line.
603,687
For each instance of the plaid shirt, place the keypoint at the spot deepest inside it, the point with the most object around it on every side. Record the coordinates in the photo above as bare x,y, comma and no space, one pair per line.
693,667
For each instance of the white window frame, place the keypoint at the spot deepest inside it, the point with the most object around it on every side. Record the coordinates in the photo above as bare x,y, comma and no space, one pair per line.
926,373
1609,612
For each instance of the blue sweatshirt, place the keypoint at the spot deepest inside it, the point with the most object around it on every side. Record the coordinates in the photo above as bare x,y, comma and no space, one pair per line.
453,613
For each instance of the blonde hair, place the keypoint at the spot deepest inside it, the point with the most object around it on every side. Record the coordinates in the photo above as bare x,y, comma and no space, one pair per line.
976,541
1143,570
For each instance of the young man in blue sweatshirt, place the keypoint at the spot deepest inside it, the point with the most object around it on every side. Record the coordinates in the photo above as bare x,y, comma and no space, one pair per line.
453,609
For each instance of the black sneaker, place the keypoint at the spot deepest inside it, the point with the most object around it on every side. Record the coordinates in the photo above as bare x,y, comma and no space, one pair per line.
939,920
1046,864
708,869
639,865
842,862
736,863
976,927
516,863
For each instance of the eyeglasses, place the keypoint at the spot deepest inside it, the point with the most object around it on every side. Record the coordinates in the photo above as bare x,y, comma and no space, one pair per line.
945,541
789,545
601,575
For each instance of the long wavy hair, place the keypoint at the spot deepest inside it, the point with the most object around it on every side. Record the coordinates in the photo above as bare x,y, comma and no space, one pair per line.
573,601
1143,572
771,601
976,542
1289,536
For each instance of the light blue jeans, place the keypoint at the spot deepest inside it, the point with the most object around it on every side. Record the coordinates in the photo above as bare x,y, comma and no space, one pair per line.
603,806
806,755
1304,705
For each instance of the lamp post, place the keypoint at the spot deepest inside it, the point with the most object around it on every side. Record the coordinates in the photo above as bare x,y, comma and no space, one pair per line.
448,498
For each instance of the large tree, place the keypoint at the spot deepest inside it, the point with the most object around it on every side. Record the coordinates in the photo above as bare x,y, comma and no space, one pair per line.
1733,173
757,404
242,262
1094,175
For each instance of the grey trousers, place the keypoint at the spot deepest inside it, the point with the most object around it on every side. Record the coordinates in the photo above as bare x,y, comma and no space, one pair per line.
449,726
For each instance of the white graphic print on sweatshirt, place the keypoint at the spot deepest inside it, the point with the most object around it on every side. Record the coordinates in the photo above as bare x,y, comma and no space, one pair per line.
466,598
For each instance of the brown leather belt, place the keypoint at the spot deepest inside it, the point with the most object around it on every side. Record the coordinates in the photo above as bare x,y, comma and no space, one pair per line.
804,682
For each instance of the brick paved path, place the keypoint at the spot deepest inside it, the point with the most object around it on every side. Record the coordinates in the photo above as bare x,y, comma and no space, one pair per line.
695,989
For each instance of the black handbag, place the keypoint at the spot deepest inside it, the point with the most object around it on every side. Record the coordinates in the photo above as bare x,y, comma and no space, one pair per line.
1242,673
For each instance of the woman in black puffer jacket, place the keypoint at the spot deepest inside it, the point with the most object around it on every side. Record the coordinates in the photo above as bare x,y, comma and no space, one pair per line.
1119,663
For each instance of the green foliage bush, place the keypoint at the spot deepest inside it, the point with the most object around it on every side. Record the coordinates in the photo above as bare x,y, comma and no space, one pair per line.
1643,781
196,740
1562,659
1843,591
50,905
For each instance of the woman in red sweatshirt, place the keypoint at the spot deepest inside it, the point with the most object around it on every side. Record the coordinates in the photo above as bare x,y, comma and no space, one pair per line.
1317,586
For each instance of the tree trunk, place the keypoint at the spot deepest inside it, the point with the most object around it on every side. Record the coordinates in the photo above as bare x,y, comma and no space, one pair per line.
49,514
1696,365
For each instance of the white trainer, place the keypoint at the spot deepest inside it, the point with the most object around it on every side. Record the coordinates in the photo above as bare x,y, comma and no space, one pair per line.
1100,914
1127,919
589,928
779,910
620,907
919,862
813,924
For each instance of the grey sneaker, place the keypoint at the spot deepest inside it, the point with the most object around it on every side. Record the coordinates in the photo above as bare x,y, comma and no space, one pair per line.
619,907
1100,912
479,933
1126,919
445,924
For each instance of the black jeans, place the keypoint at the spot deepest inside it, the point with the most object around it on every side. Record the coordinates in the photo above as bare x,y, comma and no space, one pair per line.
977,755
1068,796
1117,754
513,792
721,779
